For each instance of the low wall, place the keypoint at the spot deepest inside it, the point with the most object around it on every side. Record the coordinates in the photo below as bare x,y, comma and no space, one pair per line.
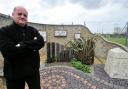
103,46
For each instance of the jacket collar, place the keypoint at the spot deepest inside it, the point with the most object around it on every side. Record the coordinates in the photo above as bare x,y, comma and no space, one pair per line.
17,26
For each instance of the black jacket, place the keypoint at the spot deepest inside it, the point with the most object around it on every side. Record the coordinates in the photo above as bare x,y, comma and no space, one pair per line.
20,49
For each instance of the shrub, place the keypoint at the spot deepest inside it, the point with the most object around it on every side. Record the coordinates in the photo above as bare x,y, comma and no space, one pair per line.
83,49
78,65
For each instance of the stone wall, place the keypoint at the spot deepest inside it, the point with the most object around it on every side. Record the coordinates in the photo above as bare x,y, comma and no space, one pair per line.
103,46
69,29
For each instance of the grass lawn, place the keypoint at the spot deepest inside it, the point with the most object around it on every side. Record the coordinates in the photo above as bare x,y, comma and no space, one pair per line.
117,40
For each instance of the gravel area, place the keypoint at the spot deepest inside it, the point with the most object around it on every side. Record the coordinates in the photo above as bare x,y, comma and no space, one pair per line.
100,74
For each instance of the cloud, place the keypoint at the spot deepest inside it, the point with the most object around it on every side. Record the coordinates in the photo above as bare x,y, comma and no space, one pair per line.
104,19
64,14
90,4
124,3
51,3
96,4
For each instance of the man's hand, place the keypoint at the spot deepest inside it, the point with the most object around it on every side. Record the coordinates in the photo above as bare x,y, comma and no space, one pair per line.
35,38
18,45
21,44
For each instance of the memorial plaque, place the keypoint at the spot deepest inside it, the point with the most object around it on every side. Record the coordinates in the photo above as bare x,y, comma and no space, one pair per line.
42,33
77,35
60,33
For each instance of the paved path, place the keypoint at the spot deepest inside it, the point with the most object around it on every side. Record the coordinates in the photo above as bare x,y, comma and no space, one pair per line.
59,76
62,77
65,77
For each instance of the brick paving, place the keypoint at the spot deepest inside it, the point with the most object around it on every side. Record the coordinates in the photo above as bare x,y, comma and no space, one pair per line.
67,77
64,76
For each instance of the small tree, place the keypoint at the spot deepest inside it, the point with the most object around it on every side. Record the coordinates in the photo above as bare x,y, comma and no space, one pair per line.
83,49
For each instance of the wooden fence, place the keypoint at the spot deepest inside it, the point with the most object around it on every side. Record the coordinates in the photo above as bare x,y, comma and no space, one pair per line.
58,53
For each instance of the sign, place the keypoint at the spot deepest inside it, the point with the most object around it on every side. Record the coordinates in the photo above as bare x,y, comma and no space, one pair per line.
60,33
42,33
77,35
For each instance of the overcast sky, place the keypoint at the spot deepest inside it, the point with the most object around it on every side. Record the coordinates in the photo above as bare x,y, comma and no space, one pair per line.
98,15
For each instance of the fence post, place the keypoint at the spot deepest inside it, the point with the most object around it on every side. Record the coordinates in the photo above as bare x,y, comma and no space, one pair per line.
126,43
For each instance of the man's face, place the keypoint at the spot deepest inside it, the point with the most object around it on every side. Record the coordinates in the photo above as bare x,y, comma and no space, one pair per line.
19,16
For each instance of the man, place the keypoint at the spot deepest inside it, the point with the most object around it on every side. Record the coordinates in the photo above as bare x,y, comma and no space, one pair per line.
19,45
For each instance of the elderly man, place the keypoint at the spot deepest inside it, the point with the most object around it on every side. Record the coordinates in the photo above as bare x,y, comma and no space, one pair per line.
19,45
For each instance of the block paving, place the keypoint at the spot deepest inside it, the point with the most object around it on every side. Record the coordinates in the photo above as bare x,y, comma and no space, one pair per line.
67,77
64,76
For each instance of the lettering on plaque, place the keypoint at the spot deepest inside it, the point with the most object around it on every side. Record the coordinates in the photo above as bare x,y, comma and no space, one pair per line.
60,33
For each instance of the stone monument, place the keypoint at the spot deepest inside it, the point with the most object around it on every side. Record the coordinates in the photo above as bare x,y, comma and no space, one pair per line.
116,65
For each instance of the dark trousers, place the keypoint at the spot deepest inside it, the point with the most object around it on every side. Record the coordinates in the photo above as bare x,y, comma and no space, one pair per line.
32,81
